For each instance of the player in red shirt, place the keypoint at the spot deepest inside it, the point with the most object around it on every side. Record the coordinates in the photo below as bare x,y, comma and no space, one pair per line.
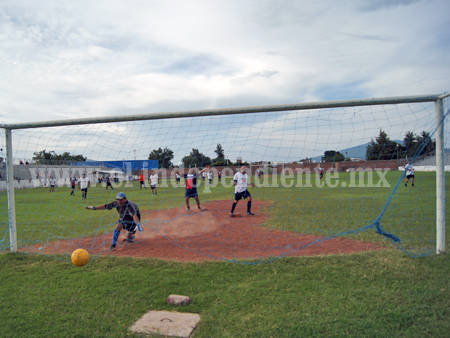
191,186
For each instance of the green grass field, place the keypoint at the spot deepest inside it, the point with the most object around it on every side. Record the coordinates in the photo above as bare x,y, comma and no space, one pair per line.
43,216
372,294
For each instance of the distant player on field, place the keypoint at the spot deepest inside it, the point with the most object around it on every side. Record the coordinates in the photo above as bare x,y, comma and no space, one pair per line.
191,186
177,178
210,177
108,183
142,181
154,180
321,172
52,184
129,219
83,184
409,173
73,182
241,192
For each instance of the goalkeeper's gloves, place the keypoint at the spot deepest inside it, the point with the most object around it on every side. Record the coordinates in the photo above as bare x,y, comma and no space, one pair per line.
140,228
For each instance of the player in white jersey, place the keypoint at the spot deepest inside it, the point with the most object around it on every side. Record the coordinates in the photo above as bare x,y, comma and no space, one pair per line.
409,173
52,184
240,190
210,177
83,184
154,179
177,178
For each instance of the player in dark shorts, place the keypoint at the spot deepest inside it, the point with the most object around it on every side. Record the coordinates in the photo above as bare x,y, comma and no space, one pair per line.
73,182
241,192
409,173
142,181
84,183
191,187
108,183
129,219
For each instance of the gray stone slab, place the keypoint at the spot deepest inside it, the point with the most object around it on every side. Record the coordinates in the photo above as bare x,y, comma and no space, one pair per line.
173,324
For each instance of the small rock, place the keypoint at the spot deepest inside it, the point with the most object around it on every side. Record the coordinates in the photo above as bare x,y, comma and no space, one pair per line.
178,300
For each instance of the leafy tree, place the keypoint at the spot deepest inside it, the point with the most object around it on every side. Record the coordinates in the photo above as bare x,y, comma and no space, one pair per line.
163,156
425,145
196,158
333,156
221,162
418,145
220,152
382,148
44,157
66,157
409,144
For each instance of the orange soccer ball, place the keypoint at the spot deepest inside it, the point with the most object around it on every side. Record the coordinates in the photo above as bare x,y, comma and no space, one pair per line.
80,257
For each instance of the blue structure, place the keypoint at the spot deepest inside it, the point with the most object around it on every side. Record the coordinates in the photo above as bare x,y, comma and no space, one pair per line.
126,166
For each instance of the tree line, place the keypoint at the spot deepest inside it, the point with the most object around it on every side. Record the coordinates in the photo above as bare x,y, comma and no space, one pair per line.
379,148
51,157
383,148
163,156
195,158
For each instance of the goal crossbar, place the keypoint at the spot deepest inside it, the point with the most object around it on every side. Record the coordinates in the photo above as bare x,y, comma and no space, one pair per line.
230,111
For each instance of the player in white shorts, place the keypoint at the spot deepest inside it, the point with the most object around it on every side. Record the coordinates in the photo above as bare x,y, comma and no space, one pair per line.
240,190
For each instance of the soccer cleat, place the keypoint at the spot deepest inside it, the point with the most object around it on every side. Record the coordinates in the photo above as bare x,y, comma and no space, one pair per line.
250,213
406,185
127,239
231,214
199,208
112,247
188,208
413,185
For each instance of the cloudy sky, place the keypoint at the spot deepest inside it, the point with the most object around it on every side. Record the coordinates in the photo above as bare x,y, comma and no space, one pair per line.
75,59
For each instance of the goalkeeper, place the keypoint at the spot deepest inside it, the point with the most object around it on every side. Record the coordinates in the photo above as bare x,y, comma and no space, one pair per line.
130,217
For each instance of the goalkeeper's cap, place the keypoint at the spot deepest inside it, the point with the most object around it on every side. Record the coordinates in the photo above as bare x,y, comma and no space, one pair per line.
121,195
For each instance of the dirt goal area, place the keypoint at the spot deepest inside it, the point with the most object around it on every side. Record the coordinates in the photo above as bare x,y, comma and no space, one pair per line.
211,234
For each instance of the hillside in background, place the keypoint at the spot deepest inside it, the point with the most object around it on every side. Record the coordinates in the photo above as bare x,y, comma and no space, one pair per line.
353,152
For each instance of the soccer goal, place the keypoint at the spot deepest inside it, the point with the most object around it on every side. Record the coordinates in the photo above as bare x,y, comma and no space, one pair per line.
317,178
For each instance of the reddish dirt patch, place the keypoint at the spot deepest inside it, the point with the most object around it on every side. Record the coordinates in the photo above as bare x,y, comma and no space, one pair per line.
211,234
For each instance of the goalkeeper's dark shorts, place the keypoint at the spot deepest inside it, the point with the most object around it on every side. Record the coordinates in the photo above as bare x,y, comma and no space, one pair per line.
242,195
129,225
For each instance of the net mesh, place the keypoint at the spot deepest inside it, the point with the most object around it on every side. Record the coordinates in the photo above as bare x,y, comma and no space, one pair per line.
314,181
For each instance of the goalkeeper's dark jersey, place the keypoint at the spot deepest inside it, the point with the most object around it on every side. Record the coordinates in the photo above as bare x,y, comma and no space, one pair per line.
126,211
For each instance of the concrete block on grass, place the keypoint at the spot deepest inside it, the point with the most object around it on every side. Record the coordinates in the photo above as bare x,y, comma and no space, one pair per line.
178,300
165,323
